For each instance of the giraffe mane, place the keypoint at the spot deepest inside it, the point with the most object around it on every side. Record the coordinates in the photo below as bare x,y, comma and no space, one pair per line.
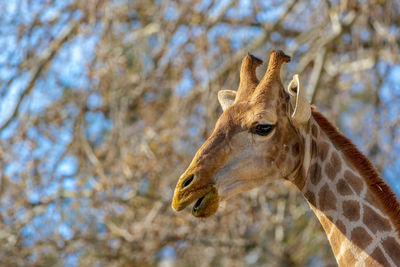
376,184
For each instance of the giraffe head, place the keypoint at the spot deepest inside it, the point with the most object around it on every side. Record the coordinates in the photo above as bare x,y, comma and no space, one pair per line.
256,139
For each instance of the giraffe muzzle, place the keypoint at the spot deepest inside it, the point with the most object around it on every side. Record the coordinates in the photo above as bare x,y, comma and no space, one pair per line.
190,189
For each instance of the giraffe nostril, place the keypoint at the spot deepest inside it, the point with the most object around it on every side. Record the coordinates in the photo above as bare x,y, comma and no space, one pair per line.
187,181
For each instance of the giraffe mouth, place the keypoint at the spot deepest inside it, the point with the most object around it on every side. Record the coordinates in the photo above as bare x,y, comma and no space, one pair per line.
206,205
198,203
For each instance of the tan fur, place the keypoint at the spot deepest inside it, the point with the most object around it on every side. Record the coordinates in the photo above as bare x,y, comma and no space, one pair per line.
233,159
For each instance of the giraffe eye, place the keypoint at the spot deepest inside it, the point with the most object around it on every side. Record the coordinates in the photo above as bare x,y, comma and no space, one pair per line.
262,129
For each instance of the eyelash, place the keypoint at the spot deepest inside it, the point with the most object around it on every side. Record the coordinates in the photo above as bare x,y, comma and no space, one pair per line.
262,129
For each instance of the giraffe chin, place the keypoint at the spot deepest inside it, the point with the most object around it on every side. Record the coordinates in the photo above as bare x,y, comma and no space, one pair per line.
207,205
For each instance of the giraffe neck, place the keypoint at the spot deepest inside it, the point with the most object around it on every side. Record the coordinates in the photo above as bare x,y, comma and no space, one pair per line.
359,228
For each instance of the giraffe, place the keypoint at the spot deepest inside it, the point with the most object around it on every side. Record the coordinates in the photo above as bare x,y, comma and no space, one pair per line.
266,133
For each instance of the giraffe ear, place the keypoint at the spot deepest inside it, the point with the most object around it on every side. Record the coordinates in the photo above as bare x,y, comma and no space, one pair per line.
226,98
300,110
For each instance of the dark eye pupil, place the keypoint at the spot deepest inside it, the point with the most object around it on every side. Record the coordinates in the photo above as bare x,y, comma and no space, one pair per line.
262,130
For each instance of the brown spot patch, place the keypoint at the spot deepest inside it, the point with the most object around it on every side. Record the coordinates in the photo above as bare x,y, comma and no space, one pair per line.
360,237
333,166
376,258
327,200
314,130
323,149
296,149
370,198
347,259
315,174
330,171
310,197
336,162
313,147
374,221
343,188
351,210
355,182
392,249
340,225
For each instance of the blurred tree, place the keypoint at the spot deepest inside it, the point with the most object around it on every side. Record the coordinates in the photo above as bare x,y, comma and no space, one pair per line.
103,104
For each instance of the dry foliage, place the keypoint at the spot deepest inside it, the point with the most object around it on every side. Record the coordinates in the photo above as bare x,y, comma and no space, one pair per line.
105,102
